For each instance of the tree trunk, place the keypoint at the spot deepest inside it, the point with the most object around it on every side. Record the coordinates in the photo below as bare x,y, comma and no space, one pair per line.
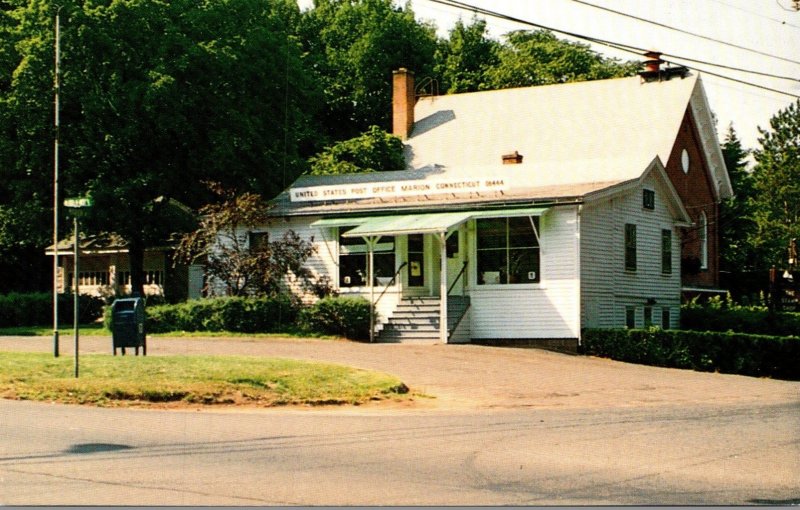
136,261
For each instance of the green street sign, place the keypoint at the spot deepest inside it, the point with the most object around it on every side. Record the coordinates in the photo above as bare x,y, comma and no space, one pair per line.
77,203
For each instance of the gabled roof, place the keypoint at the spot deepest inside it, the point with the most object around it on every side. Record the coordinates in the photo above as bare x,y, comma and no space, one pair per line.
565,127
576,140
104,243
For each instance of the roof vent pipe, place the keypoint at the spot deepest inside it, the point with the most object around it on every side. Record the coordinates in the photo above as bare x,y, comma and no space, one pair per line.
514,158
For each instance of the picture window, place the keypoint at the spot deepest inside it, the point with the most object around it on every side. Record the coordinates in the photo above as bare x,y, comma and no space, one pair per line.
508,250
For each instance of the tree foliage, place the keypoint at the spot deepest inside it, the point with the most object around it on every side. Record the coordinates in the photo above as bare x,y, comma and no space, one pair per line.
225,245
353,48
540,58
156,97
464,59
373,151
736,253
776,183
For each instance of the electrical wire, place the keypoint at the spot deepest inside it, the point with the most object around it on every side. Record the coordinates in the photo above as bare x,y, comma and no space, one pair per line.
682,31
617,46
739,69
755,13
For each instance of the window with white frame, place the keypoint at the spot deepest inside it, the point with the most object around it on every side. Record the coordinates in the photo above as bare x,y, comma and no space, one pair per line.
666,251
630,317
630,247
649,199
665,318
353,253
648,316
508,250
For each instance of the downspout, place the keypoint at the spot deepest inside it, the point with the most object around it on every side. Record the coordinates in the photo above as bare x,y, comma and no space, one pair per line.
578,271
371,279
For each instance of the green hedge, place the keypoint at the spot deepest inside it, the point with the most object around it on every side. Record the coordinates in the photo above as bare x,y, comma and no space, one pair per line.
235,314
343,316
36,308
726,316
733,353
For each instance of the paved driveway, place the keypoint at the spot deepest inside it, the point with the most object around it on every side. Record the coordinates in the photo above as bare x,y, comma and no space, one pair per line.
479,377
506,426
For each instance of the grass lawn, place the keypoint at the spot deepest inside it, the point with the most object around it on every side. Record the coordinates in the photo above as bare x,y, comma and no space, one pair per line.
109,381
97,329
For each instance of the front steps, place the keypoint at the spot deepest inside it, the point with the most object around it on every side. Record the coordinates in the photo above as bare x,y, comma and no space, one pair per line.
416,319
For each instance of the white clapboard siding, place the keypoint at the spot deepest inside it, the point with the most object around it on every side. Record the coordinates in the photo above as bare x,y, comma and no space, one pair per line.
321,262
606,287
549,309
324,261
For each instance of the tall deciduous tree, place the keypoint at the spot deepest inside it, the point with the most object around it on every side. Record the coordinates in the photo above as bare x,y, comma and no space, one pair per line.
776,182
540,58
354,45
157,96
464,58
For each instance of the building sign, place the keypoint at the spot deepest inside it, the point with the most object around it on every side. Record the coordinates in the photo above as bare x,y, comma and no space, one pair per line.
397,189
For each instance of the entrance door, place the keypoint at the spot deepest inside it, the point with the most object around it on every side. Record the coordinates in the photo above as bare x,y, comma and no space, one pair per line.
416,260
456,255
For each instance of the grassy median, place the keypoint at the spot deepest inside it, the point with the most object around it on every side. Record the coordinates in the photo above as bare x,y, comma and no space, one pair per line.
111,381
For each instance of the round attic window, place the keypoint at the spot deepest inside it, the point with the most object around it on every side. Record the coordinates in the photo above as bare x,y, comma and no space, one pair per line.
685,161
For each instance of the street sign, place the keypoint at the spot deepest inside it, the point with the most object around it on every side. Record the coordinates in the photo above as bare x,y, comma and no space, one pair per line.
77,203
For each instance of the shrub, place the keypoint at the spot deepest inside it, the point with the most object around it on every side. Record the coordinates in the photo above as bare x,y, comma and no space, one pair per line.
235,314
719,315
343,316
35,309
727,352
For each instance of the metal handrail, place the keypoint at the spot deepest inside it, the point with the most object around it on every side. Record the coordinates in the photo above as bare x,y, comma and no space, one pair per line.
460,273
391,282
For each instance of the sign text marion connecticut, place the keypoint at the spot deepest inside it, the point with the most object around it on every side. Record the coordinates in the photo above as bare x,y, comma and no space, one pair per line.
394,189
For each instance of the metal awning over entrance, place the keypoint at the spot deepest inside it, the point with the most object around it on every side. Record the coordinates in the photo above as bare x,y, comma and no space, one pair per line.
426,223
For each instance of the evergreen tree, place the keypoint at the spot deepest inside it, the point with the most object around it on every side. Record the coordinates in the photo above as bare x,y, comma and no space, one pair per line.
737,225
776,186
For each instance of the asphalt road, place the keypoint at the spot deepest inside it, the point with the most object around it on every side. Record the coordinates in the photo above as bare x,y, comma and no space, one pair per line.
679,446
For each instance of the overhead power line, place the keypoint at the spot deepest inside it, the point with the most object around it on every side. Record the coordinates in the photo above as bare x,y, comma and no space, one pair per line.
756,14
682,31
732,68
617,46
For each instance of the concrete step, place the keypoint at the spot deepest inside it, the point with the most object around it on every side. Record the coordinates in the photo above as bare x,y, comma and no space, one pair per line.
387,335
402,329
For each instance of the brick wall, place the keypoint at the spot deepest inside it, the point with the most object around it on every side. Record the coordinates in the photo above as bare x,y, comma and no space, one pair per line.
697,192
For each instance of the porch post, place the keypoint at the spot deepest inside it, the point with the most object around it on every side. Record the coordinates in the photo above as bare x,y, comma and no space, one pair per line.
443,288
371,278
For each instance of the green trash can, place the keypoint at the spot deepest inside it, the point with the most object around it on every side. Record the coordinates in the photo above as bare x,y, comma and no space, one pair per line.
127,325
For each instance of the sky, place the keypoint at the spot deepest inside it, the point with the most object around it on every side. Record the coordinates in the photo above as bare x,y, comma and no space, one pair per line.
767,32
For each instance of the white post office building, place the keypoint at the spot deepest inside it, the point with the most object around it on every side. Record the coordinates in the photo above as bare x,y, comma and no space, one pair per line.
523,216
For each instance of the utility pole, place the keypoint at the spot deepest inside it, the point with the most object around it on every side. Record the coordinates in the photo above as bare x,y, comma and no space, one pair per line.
55,184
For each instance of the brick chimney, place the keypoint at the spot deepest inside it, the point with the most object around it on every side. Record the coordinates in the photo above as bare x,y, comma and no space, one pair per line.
653,64
403,99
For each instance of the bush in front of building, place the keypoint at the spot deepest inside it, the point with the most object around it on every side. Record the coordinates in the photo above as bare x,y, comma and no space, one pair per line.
36,309
234,314
341,316
708,351
724,315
